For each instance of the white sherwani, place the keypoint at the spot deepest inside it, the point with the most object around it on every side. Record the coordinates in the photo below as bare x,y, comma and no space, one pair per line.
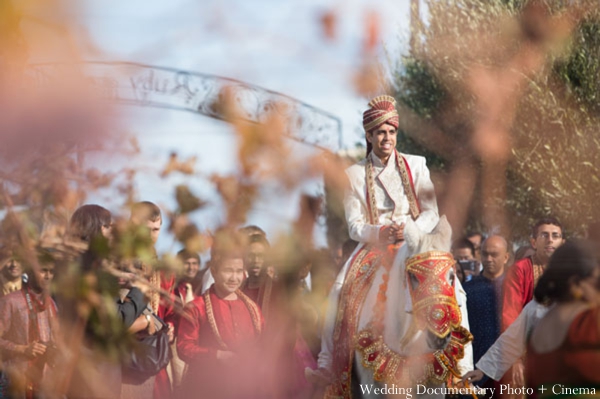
392,202
392,206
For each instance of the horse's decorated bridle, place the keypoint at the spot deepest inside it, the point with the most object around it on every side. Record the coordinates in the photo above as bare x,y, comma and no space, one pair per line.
434,308
434,304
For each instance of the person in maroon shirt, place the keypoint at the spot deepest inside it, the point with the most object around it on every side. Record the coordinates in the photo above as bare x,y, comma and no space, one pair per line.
219,334
190,282
260,283
522,277
28,329
186,289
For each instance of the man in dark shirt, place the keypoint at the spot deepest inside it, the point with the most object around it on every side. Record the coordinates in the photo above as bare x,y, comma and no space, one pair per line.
484,296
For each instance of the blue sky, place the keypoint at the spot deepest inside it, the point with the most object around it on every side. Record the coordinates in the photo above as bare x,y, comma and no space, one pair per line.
278,45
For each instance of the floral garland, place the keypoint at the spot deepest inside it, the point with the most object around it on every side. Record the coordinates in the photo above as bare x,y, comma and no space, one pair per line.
390,367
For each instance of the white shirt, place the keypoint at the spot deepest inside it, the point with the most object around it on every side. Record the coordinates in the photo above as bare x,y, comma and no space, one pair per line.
511,345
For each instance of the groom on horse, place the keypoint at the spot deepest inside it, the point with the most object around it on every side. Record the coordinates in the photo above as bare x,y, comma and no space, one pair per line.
386,189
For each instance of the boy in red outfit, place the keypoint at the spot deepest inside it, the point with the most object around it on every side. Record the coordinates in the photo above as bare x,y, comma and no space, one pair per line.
219,333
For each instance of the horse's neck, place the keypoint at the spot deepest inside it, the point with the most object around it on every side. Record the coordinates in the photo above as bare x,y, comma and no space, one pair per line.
436,242
400,332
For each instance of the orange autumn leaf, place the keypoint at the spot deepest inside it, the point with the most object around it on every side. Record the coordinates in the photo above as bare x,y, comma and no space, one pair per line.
372,31
329,24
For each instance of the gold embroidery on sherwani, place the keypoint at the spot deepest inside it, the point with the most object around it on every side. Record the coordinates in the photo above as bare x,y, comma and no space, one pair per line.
354,267
372,204
358,279
406,184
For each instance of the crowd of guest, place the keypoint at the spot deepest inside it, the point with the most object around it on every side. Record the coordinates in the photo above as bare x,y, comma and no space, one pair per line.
229,322
512,302
246,324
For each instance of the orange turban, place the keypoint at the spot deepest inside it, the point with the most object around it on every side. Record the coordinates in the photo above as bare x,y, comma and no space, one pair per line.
382,110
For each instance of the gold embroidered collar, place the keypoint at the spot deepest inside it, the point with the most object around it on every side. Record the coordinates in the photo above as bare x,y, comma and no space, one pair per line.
406,184
210,315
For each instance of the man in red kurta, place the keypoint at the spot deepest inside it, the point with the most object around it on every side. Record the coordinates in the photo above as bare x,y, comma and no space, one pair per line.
186,290
190,282
28,328
218,336
287,353
522,277
259,285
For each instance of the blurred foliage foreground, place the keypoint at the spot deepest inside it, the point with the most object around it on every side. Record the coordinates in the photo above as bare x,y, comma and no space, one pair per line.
49,132
500,96
504,94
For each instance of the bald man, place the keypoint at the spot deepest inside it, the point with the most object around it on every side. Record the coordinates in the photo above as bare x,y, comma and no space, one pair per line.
484,295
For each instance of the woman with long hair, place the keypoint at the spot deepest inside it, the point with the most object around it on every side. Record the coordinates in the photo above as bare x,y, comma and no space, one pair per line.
97,374
564,348
89,222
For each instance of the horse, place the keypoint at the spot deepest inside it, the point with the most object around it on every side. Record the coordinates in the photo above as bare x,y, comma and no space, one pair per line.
411,334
